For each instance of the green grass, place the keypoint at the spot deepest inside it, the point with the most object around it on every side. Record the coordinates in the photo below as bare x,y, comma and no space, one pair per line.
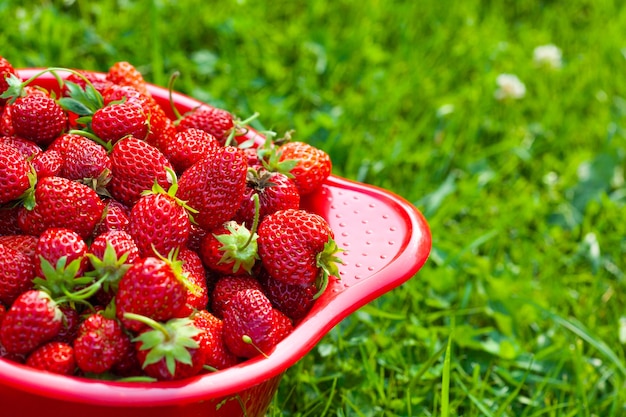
520,310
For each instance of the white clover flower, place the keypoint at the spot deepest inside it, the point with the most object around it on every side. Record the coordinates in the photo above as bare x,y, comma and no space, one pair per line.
509,87
548,56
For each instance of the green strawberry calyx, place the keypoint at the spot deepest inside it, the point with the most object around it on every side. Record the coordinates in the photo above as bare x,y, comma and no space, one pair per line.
271,157
169,341
171,192
239,245
63,283
110,268
328,261
176,266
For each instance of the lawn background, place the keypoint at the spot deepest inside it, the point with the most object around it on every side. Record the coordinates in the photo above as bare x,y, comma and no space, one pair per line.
520,309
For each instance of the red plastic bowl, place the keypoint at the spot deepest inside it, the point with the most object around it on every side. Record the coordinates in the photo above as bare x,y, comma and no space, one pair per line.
386,241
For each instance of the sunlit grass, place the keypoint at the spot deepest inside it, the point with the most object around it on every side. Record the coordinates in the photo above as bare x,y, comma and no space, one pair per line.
525,198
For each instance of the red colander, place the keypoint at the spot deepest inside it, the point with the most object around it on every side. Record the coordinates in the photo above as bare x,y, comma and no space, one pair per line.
386,242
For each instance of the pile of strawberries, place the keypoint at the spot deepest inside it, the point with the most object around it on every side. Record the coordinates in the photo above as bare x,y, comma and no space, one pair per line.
135,246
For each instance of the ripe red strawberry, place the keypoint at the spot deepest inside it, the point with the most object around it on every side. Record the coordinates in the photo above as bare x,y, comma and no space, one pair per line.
115,217
159,222
151,287
276,191
215,185
124,73
14,174
6,69
69,328
170,351
8,220
6,125
162,128
60,202
313,167
121,93
297,247
38,118
80,78
56,243
117,120
195,275
252,326
188,147
55,357
26,147
217,356
230,249
217,122
17,271
33,319
48,163
294,300
225,289
121,241
136,165
99,344
25,244
62,142
86,161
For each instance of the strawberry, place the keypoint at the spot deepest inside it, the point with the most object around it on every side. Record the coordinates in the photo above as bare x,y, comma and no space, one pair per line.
48,163
151,287
252,326
6,125
215,121
33,319
117,120
159,221
26,147
276,191
82,77
124,73
136,165
99,344
55,357
69,328
115,217
38,118
294,300
60,202
14,174
6,69
16,273
226,287
229,249
162,129
170,350
8,220
187,147
56,243
313,166
25,244
215,185
195,274
217,356
121,241
86,161
297,247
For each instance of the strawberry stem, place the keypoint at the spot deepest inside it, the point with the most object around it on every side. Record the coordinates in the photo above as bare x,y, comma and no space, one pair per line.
248,340
153,324
255,220
170,89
